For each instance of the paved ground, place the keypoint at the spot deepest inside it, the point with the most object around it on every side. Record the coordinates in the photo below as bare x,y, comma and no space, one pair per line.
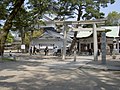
51,73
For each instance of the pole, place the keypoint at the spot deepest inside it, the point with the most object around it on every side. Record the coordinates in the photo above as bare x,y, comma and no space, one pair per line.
75,48
64,42
95,42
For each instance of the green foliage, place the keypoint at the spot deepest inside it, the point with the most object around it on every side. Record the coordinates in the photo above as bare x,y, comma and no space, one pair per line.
5,7
13,7
35,34
92,8
10,38
84,9
113,18
39,7
63,9
27,38
7,59
26,19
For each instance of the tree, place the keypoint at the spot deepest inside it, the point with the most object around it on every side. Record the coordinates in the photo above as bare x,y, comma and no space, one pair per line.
4,12
11,8
8,23
22,23
82,9
85,9
9,38
63,9
113,18
88,9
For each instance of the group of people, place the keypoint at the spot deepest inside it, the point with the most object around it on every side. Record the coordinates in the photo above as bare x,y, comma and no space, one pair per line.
91,52
34,50
56,51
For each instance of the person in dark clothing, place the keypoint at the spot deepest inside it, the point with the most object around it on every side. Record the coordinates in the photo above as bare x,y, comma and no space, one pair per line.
90,51
68,51
10,53
98,52
34,50
55,51
31,51
37,50
46,50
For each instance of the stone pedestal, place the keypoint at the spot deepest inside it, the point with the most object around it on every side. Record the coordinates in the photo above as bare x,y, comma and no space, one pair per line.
103,47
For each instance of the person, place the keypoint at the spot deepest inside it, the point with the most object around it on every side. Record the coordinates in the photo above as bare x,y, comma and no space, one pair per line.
10,53
55,51
37,50
90,51
46,50
86,49
98,52
31,51
34,50
59,52
68,51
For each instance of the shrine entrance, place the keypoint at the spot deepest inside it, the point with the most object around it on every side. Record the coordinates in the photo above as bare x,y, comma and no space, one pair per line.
94,30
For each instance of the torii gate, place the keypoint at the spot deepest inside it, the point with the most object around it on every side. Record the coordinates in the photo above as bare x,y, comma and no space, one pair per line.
93,22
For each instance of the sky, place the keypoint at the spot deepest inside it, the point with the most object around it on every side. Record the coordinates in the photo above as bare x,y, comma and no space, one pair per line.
112,7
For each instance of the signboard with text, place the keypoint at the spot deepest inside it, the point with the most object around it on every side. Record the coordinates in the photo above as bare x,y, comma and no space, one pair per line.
22,46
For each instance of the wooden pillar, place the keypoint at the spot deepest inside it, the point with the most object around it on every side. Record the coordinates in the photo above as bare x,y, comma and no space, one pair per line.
95,42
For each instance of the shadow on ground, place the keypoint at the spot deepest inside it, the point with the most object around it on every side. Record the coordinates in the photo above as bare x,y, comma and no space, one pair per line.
35,75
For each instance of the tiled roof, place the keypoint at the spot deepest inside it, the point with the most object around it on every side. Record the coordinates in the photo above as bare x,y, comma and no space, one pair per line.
114,31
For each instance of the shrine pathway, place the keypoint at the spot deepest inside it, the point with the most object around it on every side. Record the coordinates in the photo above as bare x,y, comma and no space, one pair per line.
51,73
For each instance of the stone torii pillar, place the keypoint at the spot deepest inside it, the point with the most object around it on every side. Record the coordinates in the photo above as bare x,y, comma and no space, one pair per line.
64,42
95,42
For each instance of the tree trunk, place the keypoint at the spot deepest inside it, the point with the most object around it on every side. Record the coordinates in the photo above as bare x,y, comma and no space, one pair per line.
74,41
8,24
23,35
